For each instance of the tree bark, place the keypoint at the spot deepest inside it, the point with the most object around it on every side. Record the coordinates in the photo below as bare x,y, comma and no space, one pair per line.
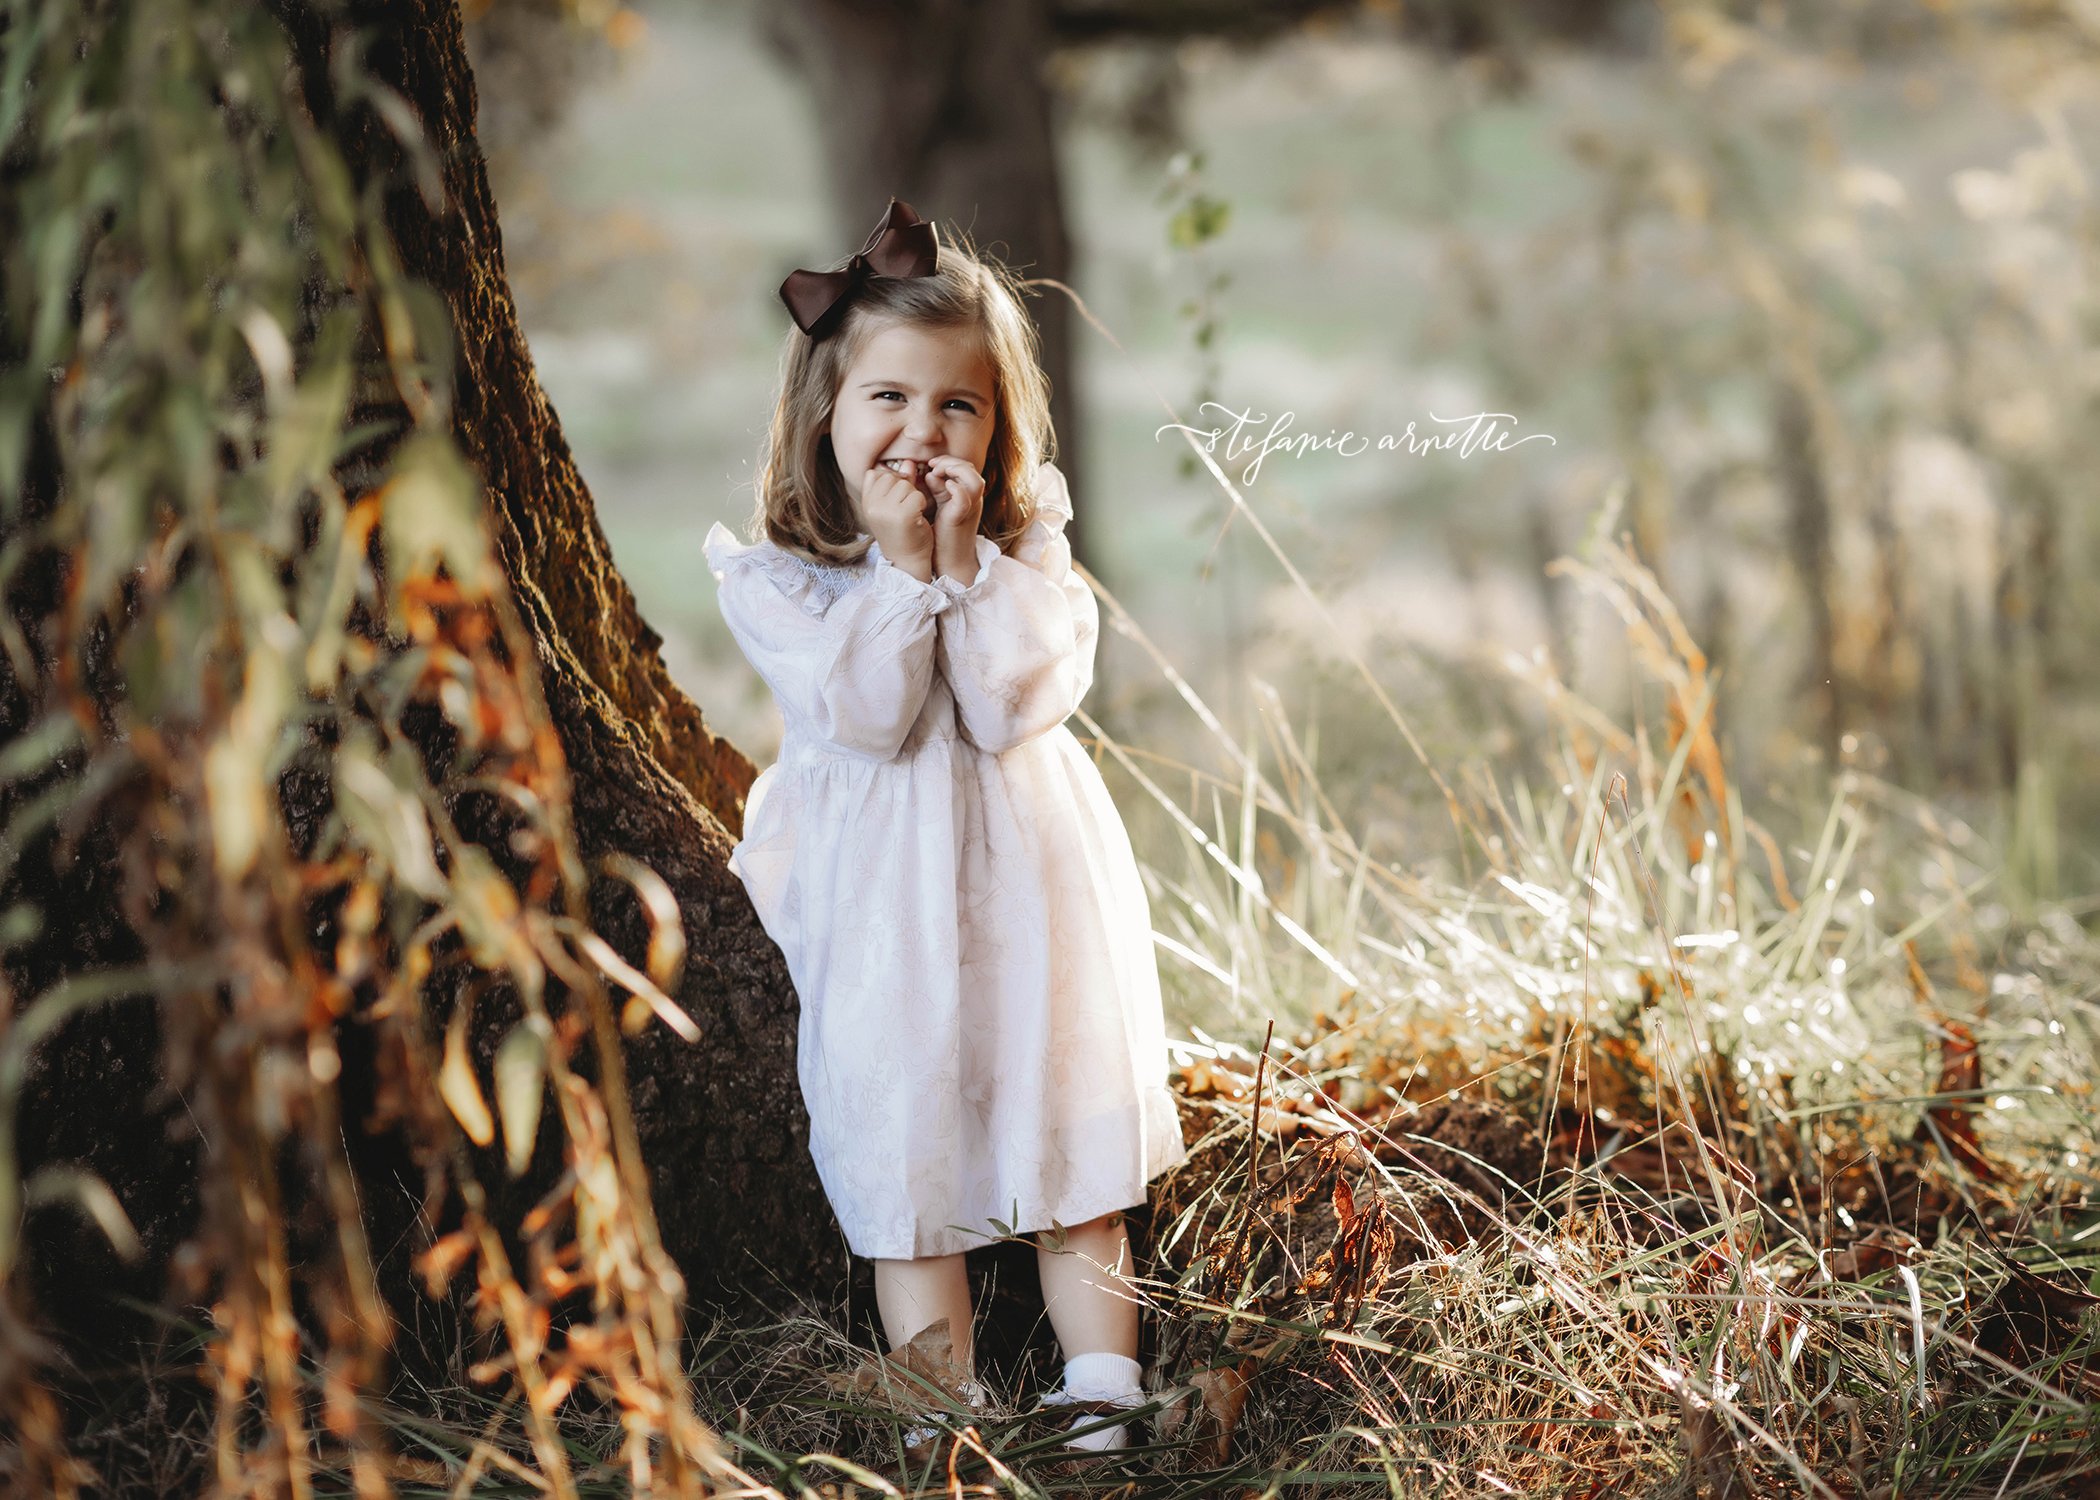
722,1123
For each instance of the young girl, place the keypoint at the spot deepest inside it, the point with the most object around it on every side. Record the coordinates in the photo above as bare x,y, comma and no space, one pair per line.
940,862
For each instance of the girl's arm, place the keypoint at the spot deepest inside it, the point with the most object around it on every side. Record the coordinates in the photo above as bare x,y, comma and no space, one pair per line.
1017,647
854,674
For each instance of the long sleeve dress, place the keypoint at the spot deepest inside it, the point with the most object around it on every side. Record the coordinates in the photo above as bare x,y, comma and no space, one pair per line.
954,892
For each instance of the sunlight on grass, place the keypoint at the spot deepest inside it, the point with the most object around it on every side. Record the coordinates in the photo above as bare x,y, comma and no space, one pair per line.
1658,1140
1639,1137
1634,1133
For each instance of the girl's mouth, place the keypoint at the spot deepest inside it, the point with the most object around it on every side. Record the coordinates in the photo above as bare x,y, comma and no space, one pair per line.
914,473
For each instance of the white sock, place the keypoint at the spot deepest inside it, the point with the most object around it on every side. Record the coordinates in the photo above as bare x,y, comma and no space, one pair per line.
1103,1377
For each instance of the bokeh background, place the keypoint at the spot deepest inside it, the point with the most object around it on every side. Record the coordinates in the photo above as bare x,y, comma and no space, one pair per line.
1802,295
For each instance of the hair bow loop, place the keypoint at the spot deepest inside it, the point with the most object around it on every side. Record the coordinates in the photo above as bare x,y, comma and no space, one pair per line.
903,244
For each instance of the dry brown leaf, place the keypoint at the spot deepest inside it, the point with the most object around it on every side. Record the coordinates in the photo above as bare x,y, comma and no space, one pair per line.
414,1470
1877,1250
898,1381
1212,1407
1961,1072
441,1262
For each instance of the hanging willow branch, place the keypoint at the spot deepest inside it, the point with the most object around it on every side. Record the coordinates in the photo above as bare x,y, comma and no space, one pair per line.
255,635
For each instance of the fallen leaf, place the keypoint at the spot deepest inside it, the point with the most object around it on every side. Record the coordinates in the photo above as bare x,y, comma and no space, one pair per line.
1961,1072
899,1381
2030,1318
1220,1395
1878,1250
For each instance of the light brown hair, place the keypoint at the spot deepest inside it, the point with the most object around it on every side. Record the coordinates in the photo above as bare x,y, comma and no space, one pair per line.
803,505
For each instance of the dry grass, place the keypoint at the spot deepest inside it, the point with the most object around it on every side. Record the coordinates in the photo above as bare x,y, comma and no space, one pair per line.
1668,1153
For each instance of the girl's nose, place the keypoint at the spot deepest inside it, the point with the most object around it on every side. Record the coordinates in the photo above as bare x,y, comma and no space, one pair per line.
921,423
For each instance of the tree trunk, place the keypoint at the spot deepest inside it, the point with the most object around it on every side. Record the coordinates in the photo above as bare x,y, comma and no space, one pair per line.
722,1123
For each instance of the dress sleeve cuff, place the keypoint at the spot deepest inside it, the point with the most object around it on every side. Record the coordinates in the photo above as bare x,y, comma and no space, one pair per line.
892,580
987,550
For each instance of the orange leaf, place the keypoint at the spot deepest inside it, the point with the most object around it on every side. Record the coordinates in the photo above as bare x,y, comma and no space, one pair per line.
441,1262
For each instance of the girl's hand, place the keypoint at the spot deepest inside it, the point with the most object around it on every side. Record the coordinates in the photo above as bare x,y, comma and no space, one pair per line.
958,492
895,512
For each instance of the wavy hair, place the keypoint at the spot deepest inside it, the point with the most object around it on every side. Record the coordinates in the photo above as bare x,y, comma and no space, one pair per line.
803,506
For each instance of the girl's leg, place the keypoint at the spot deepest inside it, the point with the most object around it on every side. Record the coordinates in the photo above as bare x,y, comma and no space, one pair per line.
911,1294
1093,1307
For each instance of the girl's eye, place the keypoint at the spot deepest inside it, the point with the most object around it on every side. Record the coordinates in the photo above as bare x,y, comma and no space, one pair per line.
953,401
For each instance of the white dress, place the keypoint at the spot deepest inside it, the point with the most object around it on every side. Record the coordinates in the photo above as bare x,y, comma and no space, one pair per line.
953,890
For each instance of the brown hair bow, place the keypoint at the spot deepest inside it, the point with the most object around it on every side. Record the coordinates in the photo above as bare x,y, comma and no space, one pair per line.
903,244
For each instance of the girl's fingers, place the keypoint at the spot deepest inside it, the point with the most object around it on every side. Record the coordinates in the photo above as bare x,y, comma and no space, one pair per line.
959,484
893,489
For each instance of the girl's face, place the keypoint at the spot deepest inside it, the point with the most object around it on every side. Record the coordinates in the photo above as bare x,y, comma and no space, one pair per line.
913,394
